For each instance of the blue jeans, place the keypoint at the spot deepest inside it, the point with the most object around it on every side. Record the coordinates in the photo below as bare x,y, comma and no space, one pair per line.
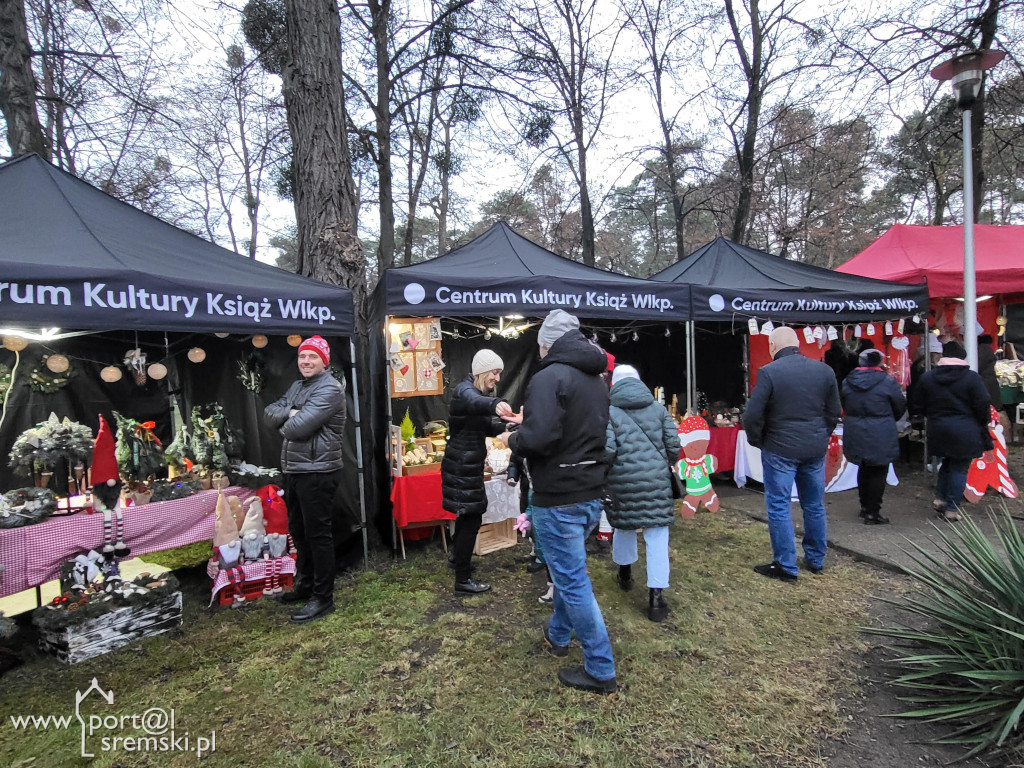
779,475
561,532
624,552
951,482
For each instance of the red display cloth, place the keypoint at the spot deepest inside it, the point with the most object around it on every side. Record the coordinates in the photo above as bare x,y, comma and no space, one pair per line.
46,546
723,447
417,499
252,571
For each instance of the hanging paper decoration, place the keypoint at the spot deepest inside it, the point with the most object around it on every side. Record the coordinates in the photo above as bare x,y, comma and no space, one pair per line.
57,363
42,379
259,341
753,327
157,371
222,335
135,361
767,328
110,374
294,340
899,361
196,355
15,343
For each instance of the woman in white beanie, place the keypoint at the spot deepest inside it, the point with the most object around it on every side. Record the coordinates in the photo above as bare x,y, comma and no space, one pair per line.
471,421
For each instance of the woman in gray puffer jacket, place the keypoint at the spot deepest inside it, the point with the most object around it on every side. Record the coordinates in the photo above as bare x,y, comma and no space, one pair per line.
641,440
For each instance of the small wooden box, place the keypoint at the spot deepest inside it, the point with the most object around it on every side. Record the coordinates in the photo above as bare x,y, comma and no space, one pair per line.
421,469
495,536
103,634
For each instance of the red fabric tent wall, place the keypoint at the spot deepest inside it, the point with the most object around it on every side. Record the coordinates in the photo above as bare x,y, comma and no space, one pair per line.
911,253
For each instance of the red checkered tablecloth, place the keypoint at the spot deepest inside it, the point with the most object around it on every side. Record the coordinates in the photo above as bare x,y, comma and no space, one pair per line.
33,554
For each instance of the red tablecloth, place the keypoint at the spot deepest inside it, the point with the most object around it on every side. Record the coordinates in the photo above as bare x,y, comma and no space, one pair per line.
417,499
33,554
723,447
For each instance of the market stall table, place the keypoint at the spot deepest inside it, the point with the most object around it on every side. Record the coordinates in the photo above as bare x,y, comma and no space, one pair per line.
33,554
416,503
748,467
723,447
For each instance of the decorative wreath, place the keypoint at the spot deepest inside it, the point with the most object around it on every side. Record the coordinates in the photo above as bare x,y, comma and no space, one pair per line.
25,506
70,608
42,446
42,379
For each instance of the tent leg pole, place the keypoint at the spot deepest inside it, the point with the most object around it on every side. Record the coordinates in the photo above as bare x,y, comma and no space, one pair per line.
691,385
746,368
390,417
359,454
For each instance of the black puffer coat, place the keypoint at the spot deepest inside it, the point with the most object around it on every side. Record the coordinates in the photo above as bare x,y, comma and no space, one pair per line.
565,416
313,436
872,402
956,403
641,439
794,407
471,420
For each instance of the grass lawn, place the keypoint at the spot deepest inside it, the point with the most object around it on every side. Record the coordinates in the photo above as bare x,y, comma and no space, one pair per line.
745,671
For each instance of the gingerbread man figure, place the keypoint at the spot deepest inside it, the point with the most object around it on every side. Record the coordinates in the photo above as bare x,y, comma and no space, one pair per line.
696,466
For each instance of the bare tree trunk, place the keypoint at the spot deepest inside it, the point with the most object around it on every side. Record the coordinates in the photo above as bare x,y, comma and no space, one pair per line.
745,155
18,83
380,14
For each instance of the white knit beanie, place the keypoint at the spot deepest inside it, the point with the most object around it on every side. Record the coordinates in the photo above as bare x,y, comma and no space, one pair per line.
485,360
555,326
624,372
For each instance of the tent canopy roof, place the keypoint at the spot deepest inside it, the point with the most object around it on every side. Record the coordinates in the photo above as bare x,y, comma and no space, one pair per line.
912,253
731,280
502,272
75,257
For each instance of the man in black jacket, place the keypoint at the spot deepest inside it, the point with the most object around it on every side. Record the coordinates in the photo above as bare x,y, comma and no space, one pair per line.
562,436
311,417
790,416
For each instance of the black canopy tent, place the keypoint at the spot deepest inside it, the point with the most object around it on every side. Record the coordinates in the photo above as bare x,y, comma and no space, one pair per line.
73,258
732,283
502,273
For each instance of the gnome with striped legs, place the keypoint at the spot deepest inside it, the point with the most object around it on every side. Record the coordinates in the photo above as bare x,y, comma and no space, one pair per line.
106,494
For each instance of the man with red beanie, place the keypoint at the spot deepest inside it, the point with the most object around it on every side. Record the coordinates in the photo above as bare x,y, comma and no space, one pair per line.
311,417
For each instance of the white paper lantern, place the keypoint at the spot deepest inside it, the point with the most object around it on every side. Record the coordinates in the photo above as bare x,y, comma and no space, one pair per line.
259,341
197,354
157,371
221,335
57,363
110,374
15,343
294,340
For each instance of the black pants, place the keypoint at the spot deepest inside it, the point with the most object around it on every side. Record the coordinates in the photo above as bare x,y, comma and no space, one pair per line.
871,486
309,497
467,526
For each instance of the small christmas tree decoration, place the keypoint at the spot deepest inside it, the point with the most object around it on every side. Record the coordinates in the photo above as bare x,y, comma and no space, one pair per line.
140,454
213,442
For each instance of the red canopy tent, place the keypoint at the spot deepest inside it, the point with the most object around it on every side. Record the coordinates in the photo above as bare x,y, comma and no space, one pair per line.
910,253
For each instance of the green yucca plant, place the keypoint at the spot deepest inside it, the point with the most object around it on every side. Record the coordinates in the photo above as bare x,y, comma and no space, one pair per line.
968,672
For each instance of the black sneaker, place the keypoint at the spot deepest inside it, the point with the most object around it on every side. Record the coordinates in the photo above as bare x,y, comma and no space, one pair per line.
808,567
554,650
313,609
774,571
876,519
471,587
581,680
535,566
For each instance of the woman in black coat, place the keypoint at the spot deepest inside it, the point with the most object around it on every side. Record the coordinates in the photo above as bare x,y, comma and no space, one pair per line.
872,403
471,420
957,405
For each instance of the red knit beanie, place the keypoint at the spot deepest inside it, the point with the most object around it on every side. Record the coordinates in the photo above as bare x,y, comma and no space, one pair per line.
320,346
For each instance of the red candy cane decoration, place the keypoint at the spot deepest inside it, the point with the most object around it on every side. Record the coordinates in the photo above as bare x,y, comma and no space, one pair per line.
984,474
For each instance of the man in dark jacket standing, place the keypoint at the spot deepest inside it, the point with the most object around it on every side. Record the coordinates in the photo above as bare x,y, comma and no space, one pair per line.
790,417
562,436
311,417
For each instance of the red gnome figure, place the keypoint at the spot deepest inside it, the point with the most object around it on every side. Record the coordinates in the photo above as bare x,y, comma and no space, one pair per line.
696,466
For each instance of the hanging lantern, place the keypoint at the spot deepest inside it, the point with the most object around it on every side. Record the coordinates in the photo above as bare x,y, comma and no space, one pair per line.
221,335
57,363
157,371
259,341
110,374
197,354
15,343
294,340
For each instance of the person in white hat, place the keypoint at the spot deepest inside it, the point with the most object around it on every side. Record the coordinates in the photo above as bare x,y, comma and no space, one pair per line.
471,420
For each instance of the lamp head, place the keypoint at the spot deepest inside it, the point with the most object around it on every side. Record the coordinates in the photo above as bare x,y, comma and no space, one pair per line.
965,72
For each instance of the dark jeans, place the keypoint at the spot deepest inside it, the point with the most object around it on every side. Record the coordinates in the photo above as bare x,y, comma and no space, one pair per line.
309,497
871,487
467,526
951,482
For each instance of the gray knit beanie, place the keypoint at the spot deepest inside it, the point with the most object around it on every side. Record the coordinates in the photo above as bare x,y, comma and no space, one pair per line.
555,326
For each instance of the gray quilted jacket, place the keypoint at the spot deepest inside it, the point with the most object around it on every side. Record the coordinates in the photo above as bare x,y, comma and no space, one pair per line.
313,436
641,439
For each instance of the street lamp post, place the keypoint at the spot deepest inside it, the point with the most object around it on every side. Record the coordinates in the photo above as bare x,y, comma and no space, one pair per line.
965,72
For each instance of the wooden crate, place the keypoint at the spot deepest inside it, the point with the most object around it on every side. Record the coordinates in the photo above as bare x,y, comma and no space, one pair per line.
495,536
421,469
112,630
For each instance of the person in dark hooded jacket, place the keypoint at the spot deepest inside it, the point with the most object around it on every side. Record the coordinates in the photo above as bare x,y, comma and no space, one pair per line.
641,441
562,437
872,403
956,403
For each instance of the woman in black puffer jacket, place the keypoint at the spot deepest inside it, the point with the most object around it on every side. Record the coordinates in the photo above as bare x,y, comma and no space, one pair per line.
872,403
471,420
641,439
